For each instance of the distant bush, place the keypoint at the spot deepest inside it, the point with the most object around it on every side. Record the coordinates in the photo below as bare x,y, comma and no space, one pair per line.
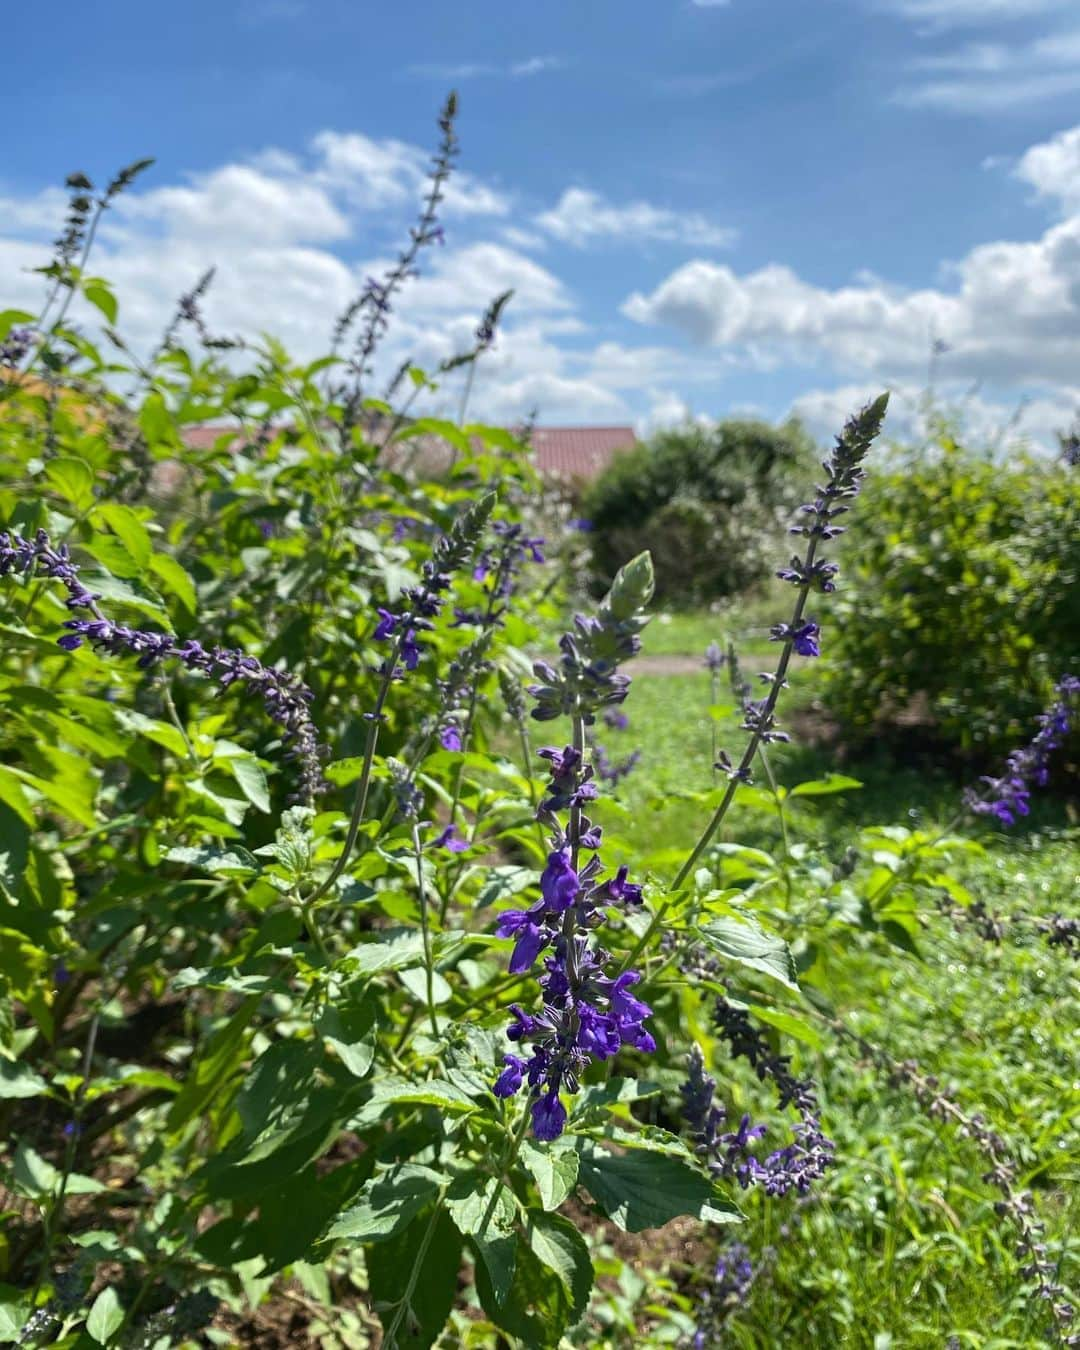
961,601
705,500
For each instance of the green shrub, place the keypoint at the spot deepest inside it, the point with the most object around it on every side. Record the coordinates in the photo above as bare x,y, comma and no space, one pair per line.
960,602
705,500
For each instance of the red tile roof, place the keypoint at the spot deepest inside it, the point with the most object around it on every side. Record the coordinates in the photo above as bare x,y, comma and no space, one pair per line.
570,452
579,452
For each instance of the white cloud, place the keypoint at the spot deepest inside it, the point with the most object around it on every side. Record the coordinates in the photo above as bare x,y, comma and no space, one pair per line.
374,174
984,77
985,423
1013,315
240,203
1053,168
471,70
959,13
581,217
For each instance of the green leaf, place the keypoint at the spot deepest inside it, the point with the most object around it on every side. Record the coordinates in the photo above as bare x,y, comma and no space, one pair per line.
106,1316
101,297
33,1175
388,1203
557,1242
744,941
250,778
823,787
19,1080
783,1019
392,949
129,529
175,581
349,1030
230,862
536,1310
431,1092
555,1172
413,1286
479,1204
73,479
641,1190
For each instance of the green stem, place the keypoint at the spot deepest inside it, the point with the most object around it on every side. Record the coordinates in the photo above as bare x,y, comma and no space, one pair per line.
390,1343
425,930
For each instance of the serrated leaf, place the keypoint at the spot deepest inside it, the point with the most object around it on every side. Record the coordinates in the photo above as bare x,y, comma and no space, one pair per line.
230,862
479,1203
561,1247
744,941
349,1030
639,1190
73,479
388,1203
555,1172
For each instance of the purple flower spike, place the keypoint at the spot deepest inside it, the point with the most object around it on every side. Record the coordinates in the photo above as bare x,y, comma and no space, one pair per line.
450,738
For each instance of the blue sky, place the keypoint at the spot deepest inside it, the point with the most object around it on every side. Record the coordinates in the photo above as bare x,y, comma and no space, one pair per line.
703,208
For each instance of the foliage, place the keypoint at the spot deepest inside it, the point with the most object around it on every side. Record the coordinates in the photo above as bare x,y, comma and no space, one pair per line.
962,604
703,500
270,813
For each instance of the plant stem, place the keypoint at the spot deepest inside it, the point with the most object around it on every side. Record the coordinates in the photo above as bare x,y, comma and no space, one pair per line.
425,929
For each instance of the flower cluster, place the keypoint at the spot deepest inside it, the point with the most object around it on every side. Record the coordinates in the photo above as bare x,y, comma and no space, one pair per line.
1009,796
424,602
589,1010
732,1277
283,695
504,561
14,347
793,1167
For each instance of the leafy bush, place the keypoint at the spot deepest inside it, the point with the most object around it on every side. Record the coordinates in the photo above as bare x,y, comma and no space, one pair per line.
704,500
961,600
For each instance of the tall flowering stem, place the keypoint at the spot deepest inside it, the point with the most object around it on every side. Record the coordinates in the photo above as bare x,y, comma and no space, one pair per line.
797,1165
401,628
844,475
284,696
374,302
588,1012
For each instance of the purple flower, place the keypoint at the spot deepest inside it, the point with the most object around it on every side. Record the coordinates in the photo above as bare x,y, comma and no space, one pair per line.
386,625
548,1116
451,840
530,938
714,657
450,738
559,883
1008,797
509,1081
616,719
804,637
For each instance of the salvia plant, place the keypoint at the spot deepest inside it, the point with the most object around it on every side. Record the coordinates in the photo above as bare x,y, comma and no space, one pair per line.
321,980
